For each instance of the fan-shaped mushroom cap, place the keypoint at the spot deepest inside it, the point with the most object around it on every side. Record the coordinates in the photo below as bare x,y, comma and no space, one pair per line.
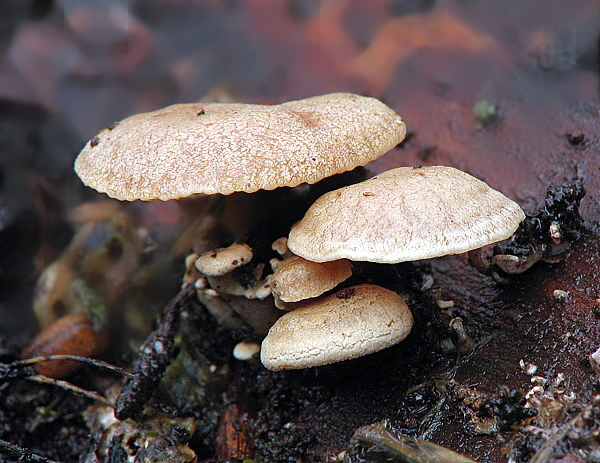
356,321
296,278
405,214
221,147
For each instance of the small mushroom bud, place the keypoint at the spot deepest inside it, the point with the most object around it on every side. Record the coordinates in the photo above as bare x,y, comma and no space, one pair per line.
595,361
245,350
465,343
280,246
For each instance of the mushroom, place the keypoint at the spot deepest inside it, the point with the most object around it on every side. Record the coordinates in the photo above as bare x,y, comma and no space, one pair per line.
280,246
216,268
356,321
224,295
224,260
245,350
514,265
296,279
405,214
222,148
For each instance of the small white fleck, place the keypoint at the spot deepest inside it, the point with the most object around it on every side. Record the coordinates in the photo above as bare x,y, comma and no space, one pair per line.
555,233
159,347
528,368
443,304
560,294
595,361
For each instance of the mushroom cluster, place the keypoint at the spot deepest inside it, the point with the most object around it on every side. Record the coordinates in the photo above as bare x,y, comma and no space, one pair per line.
404,214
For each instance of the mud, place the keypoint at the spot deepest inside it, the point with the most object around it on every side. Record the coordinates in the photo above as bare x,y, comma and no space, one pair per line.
534,67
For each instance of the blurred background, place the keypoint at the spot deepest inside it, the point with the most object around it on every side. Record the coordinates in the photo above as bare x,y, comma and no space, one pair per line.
451,68
85,64
508,91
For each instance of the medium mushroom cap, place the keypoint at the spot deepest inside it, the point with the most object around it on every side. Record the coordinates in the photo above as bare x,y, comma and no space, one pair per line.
405,214
222,148
353,322
221,261
296,278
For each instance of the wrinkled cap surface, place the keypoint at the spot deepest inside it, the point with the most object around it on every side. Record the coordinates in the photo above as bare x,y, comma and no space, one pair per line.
353,322
296,278
405,214
222,148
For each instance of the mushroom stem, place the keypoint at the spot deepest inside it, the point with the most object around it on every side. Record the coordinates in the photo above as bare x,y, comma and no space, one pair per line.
480,261
513,265
465,343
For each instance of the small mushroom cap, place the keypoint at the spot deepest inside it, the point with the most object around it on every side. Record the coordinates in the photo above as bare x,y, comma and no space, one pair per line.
222,148
405,214
224,260
353,322
280,246
245,350
296,278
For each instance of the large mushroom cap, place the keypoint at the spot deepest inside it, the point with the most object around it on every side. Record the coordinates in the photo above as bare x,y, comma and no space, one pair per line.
405,214
222,148
356,321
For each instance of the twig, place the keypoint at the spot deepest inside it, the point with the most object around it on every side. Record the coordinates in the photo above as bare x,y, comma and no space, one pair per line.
24,369
406,448
547,449
69,387
24,456
87,360
156,354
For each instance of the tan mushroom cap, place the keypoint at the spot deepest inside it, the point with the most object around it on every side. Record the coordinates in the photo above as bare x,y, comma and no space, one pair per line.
245,350
222,148
405,214
356,321
224,260
296,278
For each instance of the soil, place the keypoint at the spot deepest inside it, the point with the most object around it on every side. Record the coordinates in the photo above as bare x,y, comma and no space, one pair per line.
66,71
